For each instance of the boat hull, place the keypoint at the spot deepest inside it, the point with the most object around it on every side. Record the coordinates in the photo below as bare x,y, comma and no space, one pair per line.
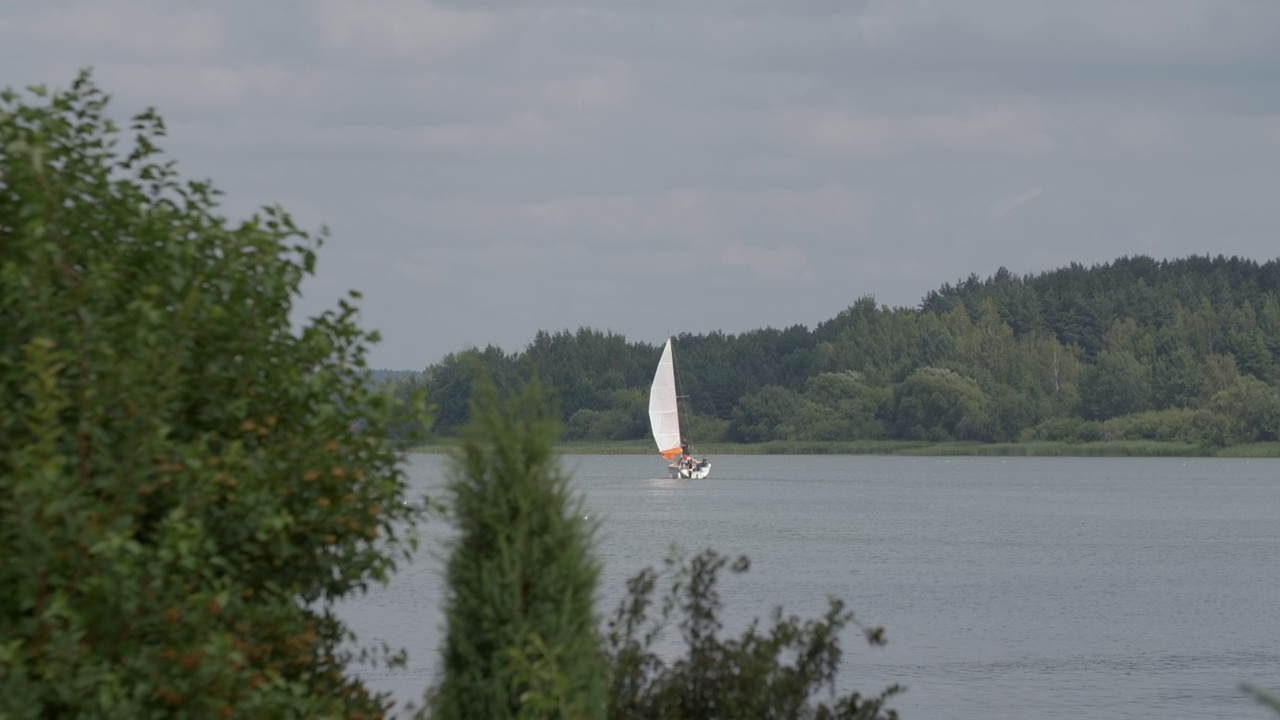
697,472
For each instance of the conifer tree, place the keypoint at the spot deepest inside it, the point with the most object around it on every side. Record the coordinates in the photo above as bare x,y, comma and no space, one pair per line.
521,638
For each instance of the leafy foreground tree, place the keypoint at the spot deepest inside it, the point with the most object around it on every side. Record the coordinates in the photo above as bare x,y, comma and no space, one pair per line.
1263,698
521,638
776,673
181,490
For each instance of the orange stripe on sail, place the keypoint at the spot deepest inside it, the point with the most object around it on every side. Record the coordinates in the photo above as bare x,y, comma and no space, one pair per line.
671,454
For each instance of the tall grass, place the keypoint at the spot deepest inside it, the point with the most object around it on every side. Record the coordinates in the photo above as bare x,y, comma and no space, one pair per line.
1252,450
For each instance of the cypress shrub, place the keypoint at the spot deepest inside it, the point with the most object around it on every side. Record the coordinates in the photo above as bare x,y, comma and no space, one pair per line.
521,636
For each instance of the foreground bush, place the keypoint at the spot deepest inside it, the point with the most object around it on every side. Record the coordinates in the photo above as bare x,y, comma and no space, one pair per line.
181,490
775,673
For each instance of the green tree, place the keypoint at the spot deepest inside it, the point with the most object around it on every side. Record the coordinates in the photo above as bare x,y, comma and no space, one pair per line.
627,418
1252,410
448,383
1265,699
986,348
842,407
1117,385
521,637
1251,353
1010,413
939,404
1218,373
182,493
1175,379
770,414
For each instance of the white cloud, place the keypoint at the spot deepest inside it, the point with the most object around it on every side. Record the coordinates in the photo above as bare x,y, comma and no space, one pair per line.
1152,22
1012,130
608,84
522,133
780,262
144,29
209,90
921,217
1126,132
435,262
1269,130
1007,204
880,22
921,270
684,216
397,29
761,231
1080,31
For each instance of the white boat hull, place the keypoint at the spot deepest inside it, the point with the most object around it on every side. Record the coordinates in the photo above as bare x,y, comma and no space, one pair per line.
697,472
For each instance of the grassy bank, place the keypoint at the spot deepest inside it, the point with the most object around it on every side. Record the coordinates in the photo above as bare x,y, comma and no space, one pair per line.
1111,448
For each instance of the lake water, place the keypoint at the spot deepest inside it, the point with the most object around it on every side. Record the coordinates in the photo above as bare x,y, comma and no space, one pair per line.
1008,588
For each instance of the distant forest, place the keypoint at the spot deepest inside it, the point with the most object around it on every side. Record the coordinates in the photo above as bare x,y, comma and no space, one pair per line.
1136,349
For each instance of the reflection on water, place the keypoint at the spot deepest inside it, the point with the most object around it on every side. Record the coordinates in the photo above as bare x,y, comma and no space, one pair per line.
665,486
1009,587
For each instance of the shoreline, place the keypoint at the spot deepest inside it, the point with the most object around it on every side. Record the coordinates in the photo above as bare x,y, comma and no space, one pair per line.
1101,448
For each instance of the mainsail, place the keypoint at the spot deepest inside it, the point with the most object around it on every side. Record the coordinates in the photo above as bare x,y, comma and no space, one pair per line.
664,418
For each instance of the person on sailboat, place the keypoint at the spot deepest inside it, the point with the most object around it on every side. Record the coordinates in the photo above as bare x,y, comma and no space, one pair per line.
684,447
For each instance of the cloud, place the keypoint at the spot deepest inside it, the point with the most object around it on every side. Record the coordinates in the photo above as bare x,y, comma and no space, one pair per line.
1017,131
212,91
1269,130
1126,132
609,83
780,262
138,29
1007,204
675,217
525,133
1153,23
398,29
769,233
439,261
921,217
1081,32
794,155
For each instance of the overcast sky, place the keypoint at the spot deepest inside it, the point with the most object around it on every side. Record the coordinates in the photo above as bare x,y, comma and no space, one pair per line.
491,168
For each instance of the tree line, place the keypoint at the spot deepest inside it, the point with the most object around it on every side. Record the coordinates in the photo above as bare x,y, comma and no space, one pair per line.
1134,349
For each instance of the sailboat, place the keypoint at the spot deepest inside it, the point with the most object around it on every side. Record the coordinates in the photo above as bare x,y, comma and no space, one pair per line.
664,420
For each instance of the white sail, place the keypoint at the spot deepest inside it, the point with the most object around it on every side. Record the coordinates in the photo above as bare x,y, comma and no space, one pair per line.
664,418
